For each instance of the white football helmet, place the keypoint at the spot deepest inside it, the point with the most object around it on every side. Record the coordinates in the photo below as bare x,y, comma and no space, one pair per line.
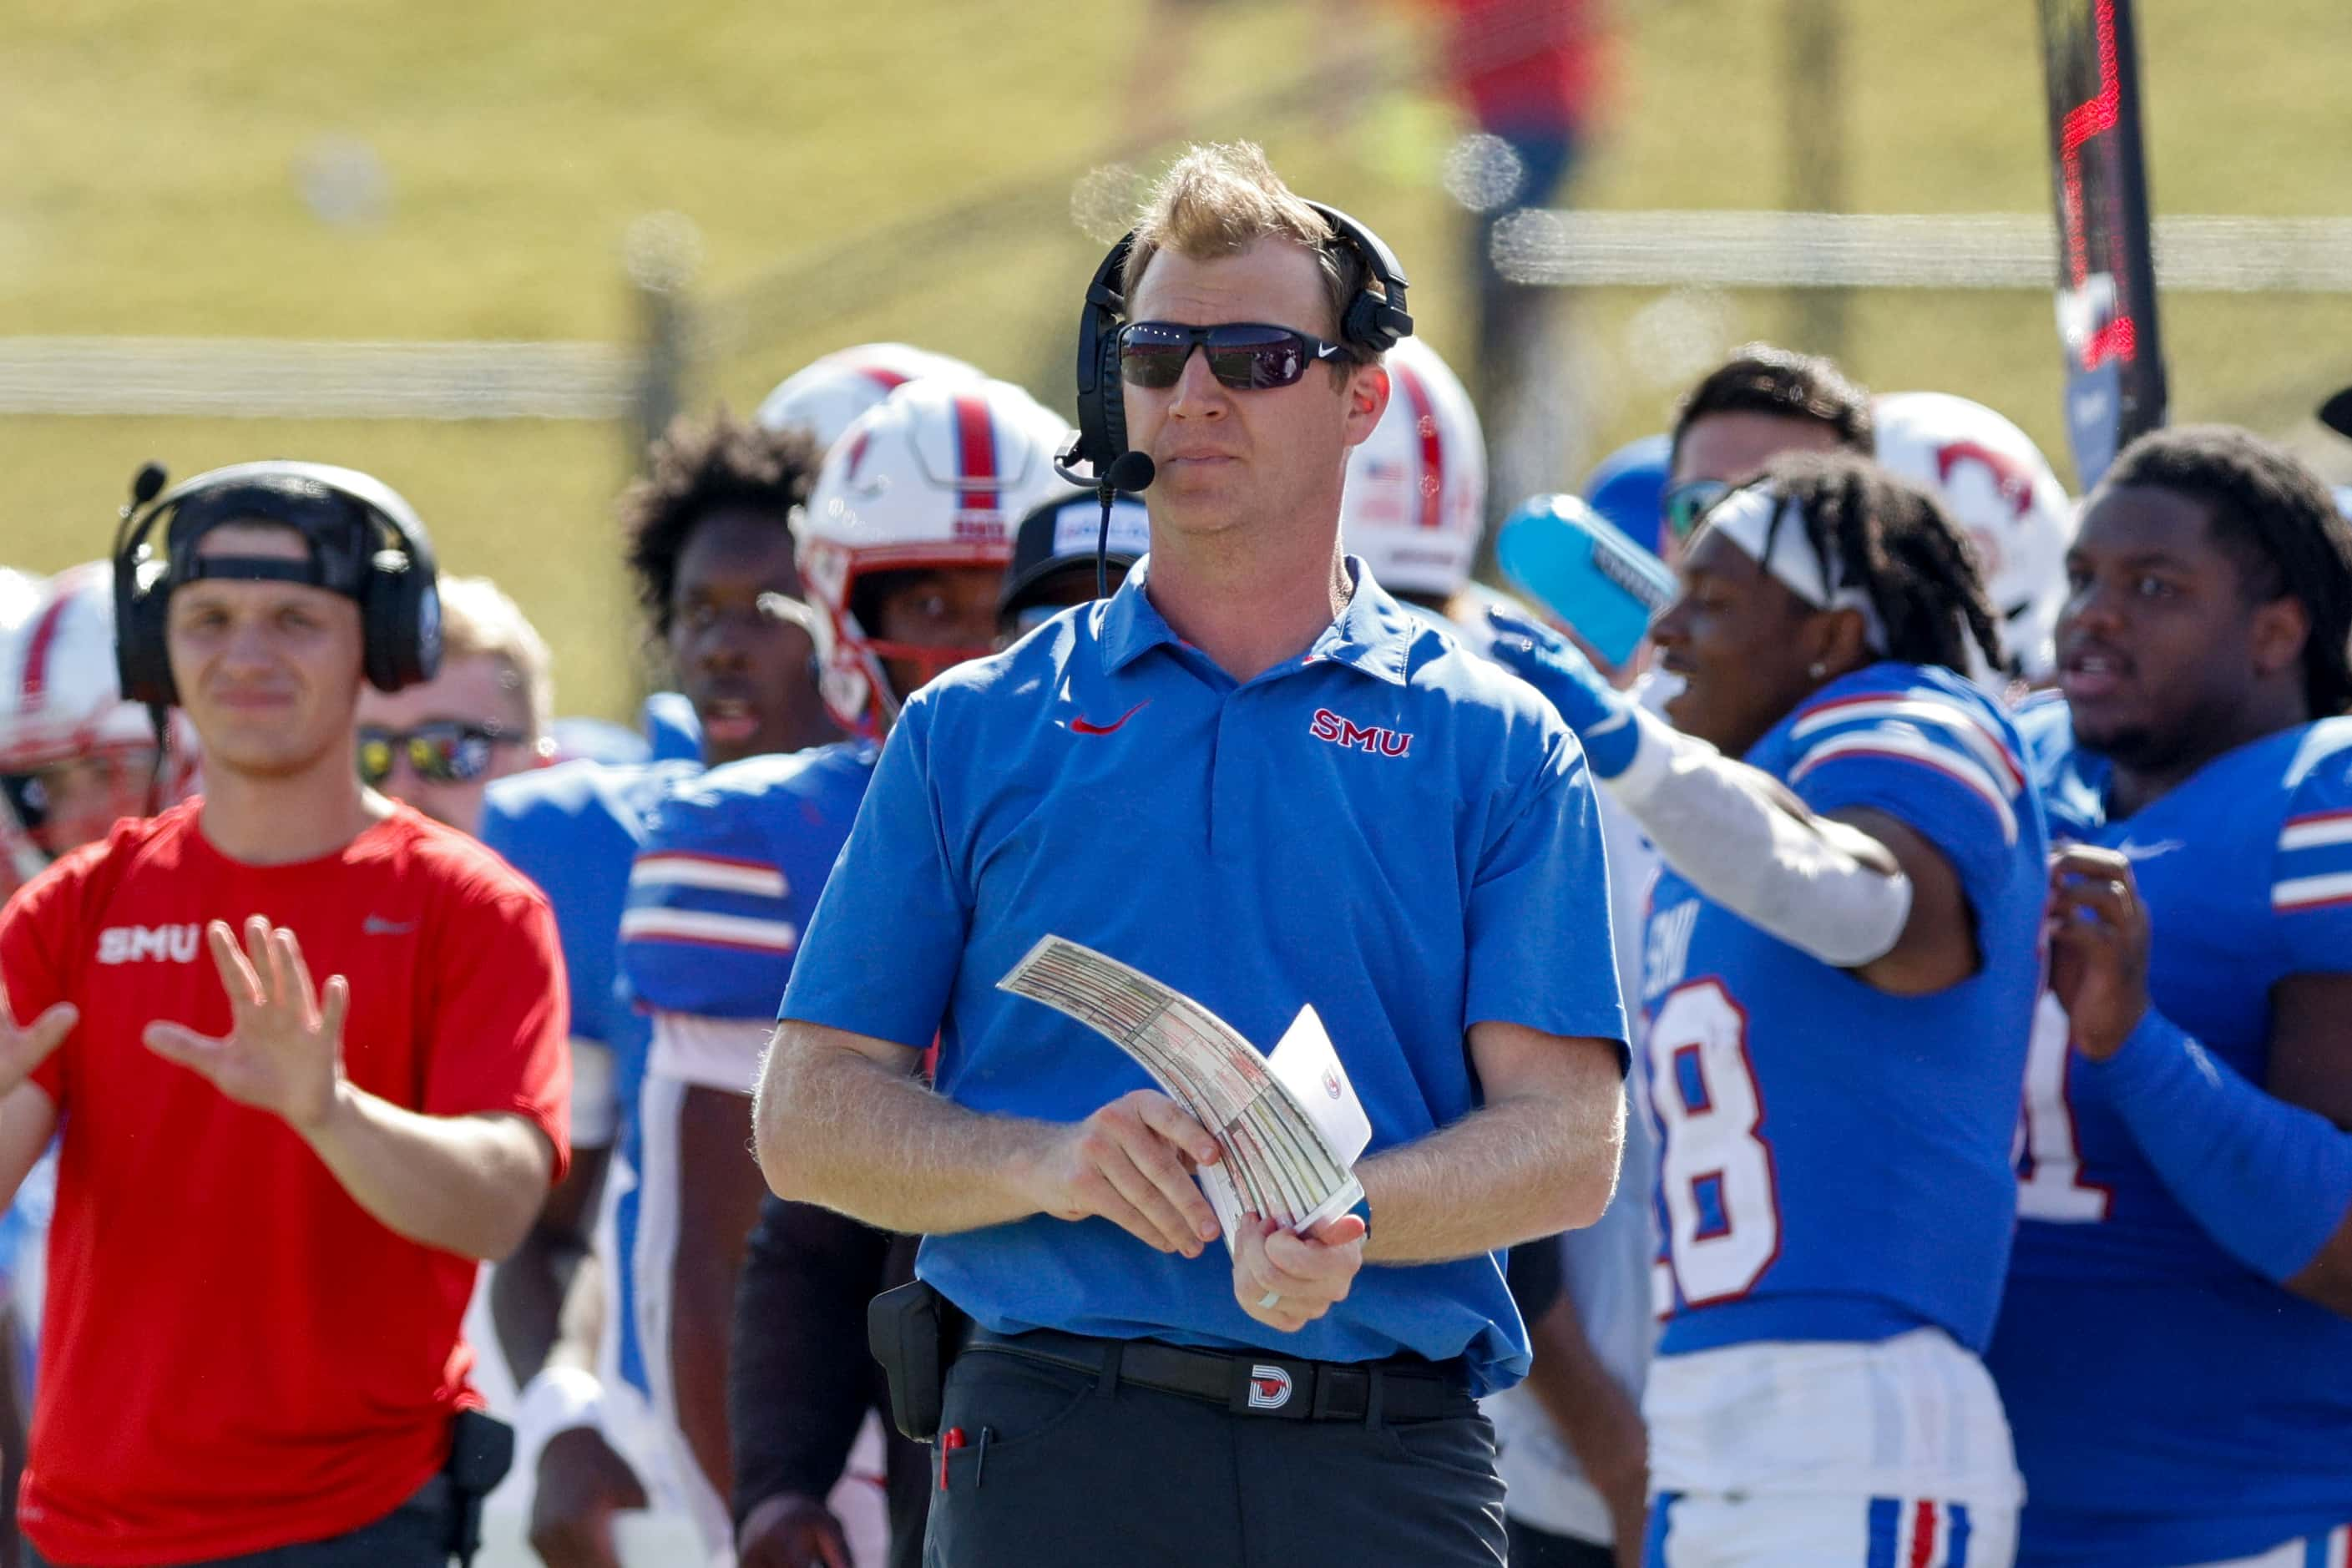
825,396
938,474
1996,484
1415,503
60,701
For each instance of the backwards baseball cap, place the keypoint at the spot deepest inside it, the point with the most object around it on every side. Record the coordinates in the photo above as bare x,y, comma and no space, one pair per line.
328,506
1062,533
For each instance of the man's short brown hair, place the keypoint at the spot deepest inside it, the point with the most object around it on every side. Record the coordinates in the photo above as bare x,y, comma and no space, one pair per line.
1220,199
1761,379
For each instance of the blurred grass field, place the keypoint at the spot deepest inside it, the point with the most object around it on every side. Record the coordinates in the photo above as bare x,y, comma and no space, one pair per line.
154,160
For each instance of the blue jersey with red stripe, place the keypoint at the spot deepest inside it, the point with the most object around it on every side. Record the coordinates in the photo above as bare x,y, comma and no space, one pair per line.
1835,1160
731,870
573,829
2169,1405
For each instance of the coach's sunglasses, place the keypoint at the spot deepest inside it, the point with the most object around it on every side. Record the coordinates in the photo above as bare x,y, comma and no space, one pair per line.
443,751
1247,357
1684,505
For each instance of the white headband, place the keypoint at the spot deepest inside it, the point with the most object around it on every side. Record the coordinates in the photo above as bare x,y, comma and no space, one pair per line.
1745,518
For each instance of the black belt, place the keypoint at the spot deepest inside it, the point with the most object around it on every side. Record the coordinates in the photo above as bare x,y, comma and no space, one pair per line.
1253,1384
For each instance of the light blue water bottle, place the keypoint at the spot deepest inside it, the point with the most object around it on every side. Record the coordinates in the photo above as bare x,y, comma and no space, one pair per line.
1584,569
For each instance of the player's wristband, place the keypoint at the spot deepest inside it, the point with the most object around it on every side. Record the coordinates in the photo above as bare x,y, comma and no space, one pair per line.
2269,1181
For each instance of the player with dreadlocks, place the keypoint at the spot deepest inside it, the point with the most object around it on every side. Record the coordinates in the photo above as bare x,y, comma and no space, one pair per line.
1845,929
2176,1340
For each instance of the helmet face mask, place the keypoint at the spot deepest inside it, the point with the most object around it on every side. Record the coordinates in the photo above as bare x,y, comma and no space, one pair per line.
937,476
1415,501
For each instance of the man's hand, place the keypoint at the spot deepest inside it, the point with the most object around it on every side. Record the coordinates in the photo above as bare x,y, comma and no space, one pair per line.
2098,947
1305,1275
792,1529
284,1050
22,1050
1131,1163
582,1484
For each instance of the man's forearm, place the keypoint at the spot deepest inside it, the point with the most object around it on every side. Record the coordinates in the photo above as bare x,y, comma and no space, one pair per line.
837,1128
1510,1172
469,1185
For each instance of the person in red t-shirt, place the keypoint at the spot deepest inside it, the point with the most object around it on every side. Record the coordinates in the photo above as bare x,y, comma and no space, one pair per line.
272,1194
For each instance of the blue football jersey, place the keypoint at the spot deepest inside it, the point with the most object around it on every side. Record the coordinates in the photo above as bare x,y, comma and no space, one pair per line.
2169,1405
573,829
730,872
1835,1162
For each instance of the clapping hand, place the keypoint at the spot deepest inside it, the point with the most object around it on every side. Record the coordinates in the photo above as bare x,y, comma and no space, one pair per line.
284,1050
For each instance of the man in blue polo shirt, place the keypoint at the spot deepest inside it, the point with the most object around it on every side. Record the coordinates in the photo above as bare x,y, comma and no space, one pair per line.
1251,774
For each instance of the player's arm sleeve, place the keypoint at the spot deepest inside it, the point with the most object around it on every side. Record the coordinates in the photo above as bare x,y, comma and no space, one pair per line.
2269,1181
1541,949
36,932
883,946
795,1398
499,1015
708,935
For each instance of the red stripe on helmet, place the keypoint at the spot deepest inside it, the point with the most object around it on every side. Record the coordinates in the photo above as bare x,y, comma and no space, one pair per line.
975,454
888,380
1433,450
44,638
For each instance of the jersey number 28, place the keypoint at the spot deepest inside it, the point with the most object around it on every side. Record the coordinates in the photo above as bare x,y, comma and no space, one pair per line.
1714,1167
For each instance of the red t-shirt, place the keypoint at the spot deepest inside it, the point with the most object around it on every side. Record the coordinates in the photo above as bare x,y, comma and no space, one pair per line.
235,1355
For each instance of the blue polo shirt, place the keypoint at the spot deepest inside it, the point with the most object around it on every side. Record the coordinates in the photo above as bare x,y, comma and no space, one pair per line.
1388,828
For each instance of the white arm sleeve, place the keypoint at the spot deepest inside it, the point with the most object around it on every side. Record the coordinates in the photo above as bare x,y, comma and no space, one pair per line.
1715,823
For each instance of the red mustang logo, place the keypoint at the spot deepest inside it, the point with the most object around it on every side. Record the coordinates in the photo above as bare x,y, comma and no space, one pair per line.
1348,734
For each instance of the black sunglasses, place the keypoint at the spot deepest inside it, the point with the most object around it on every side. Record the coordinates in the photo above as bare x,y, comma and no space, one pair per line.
1249,356
444,750
1684,505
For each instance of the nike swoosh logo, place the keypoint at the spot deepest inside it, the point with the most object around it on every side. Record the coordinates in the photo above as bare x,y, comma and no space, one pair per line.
1325,351
1085,727
2131,851
376,925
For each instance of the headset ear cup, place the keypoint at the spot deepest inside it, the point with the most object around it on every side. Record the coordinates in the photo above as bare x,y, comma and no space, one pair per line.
143,652
399,625
1111,400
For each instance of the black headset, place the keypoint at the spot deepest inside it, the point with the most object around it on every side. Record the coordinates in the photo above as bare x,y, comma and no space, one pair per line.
1372,322
388,568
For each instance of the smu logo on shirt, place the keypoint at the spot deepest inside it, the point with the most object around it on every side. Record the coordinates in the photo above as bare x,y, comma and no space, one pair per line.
1668,951
137,945
1347,734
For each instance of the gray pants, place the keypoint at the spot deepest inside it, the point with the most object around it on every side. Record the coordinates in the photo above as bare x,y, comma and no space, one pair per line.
1075,1473
416,1534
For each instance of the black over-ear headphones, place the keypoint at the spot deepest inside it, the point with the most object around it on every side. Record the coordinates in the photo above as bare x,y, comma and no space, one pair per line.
365,541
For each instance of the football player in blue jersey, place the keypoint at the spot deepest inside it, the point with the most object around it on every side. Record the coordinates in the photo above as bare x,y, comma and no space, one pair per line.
1840,971
2173,1347
710,544
904,544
